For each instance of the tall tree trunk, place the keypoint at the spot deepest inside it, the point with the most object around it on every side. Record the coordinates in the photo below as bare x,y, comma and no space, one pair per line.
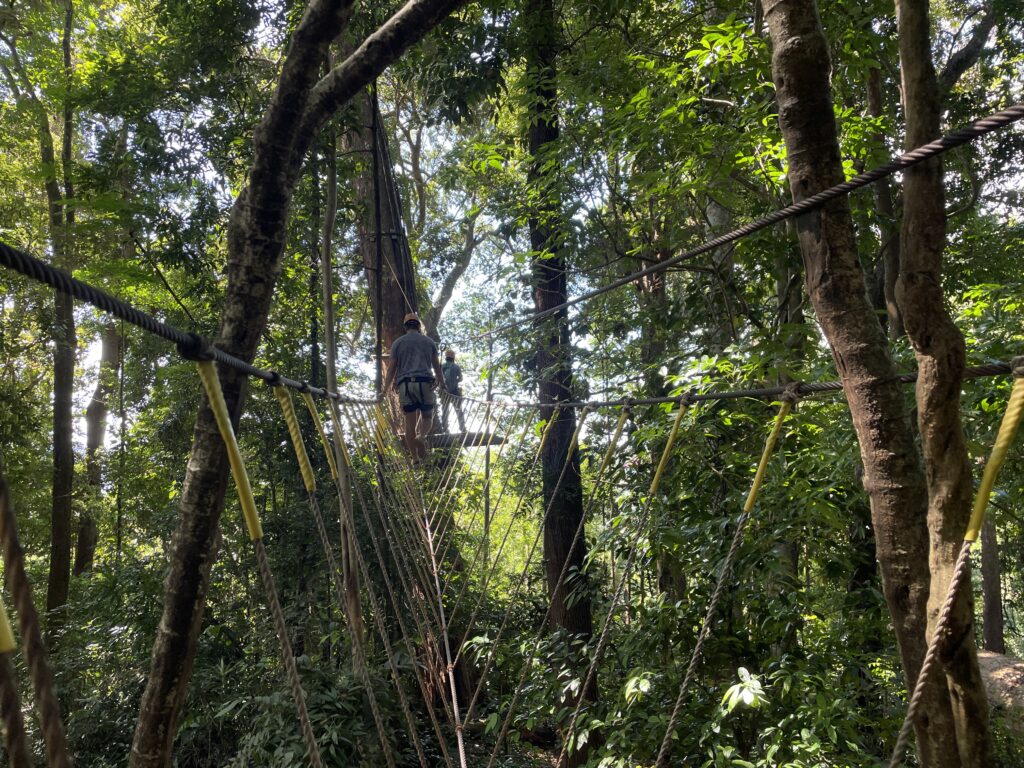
992,589
62,221
941,359
300,107
888,224
398,276
95,436
893,476
562,500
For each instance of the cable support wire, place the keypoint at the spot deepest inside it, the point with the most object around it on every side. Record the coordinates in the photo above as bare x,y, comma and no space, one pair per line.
725,574
801,389
358,649
364,572
605,633
191,346
951,140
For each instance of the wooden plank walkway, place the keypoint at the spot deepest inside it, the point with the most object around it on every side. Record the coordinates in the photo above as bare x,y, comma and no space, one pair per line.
468,440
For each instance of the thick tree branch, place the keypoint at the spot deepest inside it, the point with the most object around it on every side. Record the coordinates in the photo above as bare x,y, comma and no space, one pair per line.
964,58
405,28
444,295
274,150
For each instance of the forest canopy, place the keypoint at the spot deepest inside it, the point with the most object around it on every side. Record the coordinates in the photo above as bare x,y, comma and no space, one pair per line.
635,532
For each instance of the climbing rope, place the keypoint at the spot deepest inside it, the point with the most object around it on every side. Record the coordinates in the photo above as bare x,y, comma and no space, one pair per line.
1004,439
605,633
33,647
788,402
360,430
358,651
18,755
215,397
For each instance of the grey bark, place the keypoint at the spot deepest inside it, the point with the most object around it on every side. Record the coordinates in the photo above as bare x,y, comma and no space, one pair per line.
95,437
992,589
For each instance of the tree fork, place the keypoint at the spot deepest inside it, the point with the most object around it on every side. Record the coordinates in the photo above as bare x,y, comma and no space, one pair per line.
893,476
941,358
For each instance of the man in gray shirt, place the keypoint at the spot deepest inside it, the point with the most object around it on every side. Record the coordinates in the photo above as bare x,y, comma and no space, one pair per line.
414,369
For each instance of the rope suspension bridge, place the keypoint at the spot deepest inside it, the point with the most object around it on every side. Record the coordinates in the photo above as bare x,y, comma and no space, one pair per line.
438,537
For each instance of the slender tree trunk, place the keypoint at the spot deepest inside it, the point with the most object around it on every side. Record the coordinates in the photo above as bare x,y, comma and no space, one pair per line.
65,344
95,437
992,589
888,223
562,500
893,476
941,358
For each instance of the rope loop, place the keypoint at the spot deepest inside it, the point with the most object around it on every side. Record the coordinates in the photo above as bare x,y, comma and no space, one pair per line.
273,379
196,348
793,393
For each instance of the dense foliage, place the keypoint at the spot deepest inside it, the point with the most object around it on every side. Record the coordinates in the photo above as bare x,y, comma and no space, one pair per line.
668,137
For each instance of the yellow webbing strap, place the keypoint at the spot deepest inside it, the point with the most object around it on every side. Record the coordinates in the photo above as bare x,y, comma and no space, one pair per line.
7,644
614,442
335,414
308,400
1004,438
208,373
547,431
766,454
285,399
656,480
380,428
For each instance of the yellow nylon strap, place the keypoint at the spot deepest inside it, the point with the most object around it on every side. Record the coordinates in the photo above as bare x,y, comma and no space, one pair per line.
1004,438
7,644
285,399
381,428
208,373
766,454
547,430
613,443
663,462
314,414
332,410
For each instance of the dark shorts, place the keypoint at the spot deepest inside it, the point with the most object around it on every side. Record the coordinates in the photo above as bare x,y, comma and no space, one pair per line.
417,396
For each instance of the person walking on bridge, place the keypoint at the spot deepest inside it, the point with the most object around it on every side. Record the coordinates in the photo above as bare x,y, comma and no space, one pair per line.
415,369
452,381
